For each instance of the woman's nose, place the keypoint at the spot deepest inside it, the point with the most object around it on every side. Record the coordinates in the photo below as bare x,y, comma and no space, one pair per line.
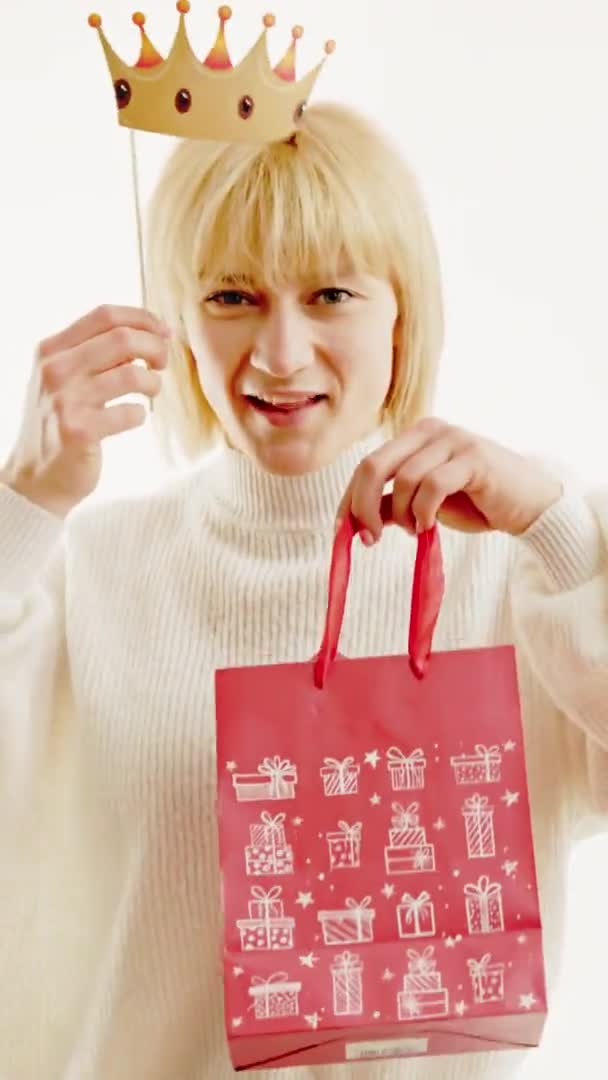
283,346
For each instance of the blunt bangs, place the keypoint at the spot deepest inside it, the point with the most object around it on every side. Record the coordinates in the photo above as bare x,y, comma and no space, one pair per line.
298,219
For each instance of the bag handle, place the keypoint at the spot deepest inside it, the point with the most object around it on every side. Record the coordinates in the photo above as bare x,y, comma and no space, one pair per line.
427,595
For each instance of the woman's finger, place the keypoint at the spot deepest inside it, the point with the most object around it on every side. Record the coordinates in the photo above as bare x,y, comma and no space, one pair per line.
378,468
447,479
103,319
412,473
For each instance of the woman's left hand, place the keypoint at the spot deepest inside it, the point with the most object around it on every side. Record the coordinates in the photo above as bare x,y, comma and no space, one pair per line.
447,474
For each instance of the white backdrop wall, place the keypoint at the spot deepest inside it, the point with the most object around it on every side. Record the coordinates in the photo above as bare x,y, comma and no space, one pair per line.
501,109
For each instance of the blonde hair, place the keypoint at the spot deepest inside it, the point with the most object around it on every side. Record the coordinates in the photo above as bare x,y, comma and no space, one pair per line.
341,192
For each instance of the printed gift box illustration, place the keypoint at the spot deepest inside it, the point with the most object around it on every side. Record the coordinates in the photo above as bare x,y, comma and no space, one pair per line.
422,994
266,927
406,771
340,777
379,885
408,851
481,767
353,923
268,852
274,779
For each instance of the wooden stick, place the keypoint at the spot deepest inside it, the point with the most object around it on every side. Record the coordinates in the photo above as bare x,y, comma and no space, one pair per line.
140,231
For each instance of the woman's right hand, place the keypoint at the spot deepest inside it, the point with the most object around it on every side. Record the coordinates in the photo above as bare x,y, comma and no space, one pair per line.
57,459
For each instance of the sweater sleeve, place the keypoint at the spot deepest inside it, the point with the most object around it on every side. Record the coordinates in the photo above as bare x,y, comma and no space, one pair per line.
559,601
32,643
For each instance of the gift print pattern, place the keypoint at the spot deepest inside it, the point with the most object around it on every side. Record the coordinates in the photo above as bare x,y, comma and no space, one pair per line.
484,906
353,924
422,995
267,927
333,921
344,846
347,981
340,777
268,852
276,778
416,916
408,851
275,996
406,830
488,980
481,767
479,827
406,770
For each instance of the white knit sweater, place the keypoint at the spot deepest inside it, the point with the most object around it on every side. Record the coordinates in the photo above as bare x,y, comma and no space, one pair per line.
111,627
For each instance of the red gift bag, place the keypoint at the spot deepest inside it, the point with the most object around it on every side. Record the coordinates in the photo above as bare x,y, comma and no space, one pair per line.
379,885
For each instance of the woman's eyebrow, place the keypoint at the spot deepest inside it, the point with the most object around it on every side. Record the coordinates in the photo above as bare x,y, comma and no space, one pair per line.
237,279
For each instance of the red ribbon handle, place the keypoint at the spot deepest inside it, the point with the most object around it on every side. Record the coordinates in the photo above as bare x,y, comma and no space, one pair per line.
427,595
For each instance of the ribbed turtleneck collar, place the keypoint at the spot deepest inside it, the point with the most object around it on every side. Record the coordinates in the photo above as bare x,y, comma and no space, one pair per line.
241,488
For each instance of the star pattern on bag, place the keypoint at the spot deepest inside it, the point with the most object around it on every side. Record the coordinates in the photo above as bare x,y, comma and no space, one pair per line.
526,1001
452,942
309,960
510,797
313,1019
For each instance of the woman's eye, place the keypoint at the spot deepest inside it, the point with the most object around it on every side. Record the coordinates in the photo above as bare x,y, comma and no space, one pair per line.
333,296
229,298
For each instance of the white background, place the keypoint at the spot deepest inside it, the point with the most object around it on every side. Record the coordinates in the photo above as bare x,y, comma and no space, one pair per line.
501,109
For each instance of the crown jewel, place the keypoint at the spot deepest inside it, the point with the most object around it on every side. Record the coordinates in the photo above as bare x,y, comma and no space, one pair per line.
210,99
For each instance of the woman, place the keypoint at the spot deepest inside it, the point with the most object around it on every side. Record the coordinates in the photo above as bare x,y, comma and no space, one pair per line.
303,285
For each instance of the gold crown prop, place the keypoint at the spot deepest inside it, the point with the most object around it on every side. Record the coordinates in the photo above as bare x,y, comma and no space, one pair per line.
210,99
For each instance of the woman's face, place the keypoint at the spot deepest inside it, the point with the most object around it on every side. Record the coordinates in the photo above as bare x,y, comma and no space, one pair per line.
295,376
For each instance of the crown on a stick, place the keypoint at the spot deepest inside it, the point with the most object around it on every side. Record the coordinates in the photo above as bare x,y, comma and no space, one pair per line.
210,99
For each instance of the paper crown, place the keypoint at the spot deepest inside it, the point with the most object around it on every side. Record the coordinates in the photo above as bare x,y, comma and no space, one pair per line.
210,99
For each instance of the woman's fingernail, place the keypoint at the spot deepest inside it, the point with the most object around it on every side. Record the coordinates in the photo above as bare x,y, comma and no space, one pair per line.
367,538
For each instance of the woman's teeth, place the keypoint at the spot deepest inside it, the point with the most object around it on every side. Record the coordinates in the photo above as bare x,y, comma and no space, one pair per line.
286,403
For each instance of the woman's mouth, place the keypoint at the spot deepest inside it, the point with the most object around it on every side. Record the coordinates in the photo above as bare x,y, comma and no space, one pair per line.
283,410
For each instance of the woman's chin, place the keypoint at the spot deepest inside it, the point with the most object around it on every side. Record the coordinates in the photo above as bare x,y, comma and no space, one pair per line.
294,457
